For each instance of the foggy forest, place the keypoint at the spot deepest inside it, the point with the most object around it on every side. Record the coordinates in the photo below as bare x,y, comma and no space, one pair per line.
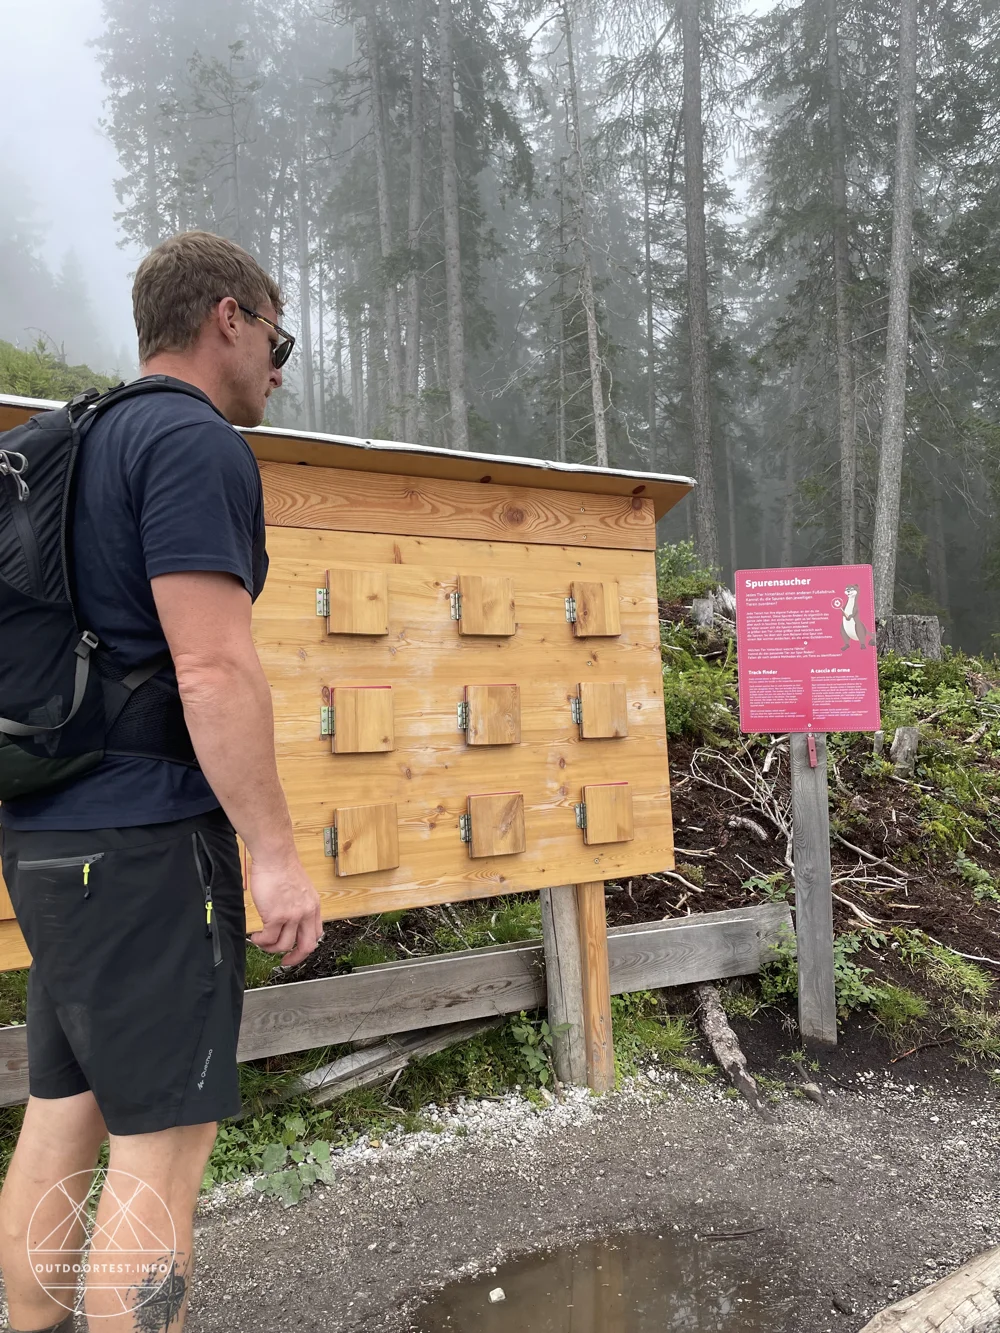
760,248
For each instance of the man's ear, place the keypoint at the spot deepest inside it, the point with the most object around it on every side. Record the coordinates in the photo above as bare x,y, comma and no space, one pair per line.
229,318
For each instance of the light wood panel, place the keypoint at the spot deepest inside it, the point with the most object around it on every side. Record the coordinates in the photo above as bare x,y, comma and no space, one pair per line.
494,714
474,983
487,602
603,709
496,823
609,813
367,838
433,770
598,613
362,719
351,501
359,601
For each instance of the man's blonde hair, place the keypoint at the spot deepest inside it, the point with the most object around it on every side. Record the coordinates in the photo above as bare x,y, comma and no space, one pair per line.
179,282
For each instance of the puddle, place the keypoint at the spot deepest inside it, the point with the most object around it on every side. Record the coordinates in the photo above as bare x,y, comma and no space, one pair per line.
642,1282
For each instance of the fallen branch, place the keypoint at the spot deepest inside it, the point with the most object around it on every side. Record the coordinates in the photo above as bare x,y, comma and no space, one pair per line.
869,856
923,1046
725,1047
977,735
971,957
863,917
966,1301
679,878
751,825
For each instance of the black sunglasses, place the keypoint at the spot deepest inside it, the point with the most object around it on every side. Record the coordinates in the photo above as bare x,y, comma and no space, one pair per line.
280,351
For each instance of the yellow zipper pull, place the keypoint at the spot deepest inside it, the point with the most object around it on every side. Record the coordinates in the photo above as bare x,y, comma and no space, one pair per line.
86,873
208,911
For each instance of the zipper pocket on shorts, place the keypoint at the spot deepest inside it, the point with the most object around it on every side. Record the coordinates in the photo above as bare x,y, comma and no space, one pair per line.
211,921
81,863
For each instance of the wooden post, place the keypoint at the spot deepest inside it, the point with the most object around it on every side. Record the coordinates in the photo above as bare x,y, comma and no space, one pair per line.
813,890
596,986
564,982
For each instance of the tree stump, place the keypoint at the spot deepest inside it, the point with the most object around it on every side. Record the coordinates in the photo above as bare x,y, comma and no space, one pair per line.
967,1301
703,611
909,636
903,751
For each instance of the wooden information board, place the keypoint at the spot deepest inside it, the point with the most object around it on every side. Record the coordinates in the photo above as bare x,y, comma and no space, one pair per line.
464,656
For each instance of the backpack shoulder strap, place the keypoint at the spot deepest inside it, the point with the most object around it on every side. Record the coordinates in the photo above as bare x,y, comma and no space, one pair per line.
87,407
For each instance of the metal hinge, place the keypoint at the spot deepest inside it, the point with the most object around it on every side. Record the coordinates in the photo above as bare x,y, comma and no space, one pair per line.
322,601
326,723
462,712
580,810
571,609
465,827
456,605
330,840
576,708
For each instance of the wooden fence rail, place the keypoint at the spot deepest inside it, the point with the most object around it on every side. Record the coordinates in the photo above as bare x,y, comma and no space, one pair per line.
476,983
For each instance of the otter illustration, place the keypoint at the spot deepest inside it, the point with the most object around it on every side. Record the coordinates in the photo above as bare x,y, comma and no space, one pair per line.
850,626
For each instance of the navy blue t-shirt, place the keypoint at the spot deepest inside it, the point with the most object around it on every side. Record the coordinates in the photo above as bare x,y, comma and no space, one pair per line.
165,485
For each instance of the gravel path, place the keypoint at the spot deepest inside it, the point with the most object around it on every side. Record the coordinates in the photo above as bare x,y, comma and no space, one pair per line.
878,1193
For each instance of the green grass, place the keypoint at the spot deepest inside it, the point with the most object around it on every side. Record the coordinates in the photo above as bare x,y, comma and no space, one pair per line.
897,1008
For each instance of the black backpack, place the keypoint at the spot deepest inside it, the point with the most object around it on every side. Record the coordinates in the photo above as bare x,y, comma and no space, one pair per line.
64,701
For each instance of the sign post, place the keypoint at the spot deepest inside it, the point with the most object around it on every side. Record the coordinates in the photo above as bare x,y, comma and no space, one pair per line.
807,665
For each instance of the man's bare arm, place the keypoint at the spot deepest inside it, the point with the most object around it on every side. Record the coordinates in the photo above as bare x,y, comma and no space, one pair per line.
227,706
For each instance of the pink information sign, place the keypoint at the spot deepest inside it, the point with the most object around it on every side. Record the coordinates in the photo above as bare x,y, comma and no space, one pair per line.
806,649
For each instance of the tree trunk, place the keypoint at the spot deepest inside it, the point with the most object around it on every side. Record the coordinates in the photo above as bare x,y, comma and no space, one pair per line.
152,229
391,296
788,514
452,243
886,535
416,208
561,360
841,284
731,506
650,344
355,350
319,339
305,298
706,526
586,268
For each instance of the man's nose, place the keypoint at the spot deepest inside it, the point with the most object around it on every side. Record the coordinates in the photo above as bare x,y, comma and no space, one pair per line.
276,377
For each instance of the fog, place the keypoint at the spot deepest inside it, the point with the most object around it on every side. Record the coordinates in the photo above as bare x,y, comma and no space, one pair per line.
59,169
634,257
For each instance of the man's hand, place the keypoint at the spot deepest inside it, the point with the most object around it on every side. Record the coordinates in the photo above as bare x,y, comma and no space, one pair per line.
289,907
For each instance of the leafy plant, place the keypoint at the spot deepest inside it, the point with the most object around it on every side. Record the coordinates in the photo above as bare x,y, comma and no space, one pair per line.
773,888
292,1168
533,1038
983,884
680,574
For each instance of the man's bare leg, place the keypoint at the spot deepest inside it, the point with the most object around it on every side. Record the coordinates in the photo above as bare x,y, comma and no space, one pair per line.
60,1136
171,1164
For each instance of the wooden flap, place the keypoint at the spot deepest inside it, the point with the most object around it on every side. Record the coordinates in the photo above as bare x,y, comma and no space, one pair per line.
603,708
597,609
496,823
494,714
359,601
362,719
487,604
609,813
367,838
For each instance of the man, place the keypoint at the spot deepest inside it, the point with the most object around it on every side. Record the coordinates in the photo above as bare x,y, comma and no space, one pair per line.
127,882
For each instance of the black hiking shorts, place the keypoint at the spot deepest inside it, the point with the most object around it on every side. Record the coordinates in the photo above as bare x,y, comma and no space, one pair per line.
135,991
